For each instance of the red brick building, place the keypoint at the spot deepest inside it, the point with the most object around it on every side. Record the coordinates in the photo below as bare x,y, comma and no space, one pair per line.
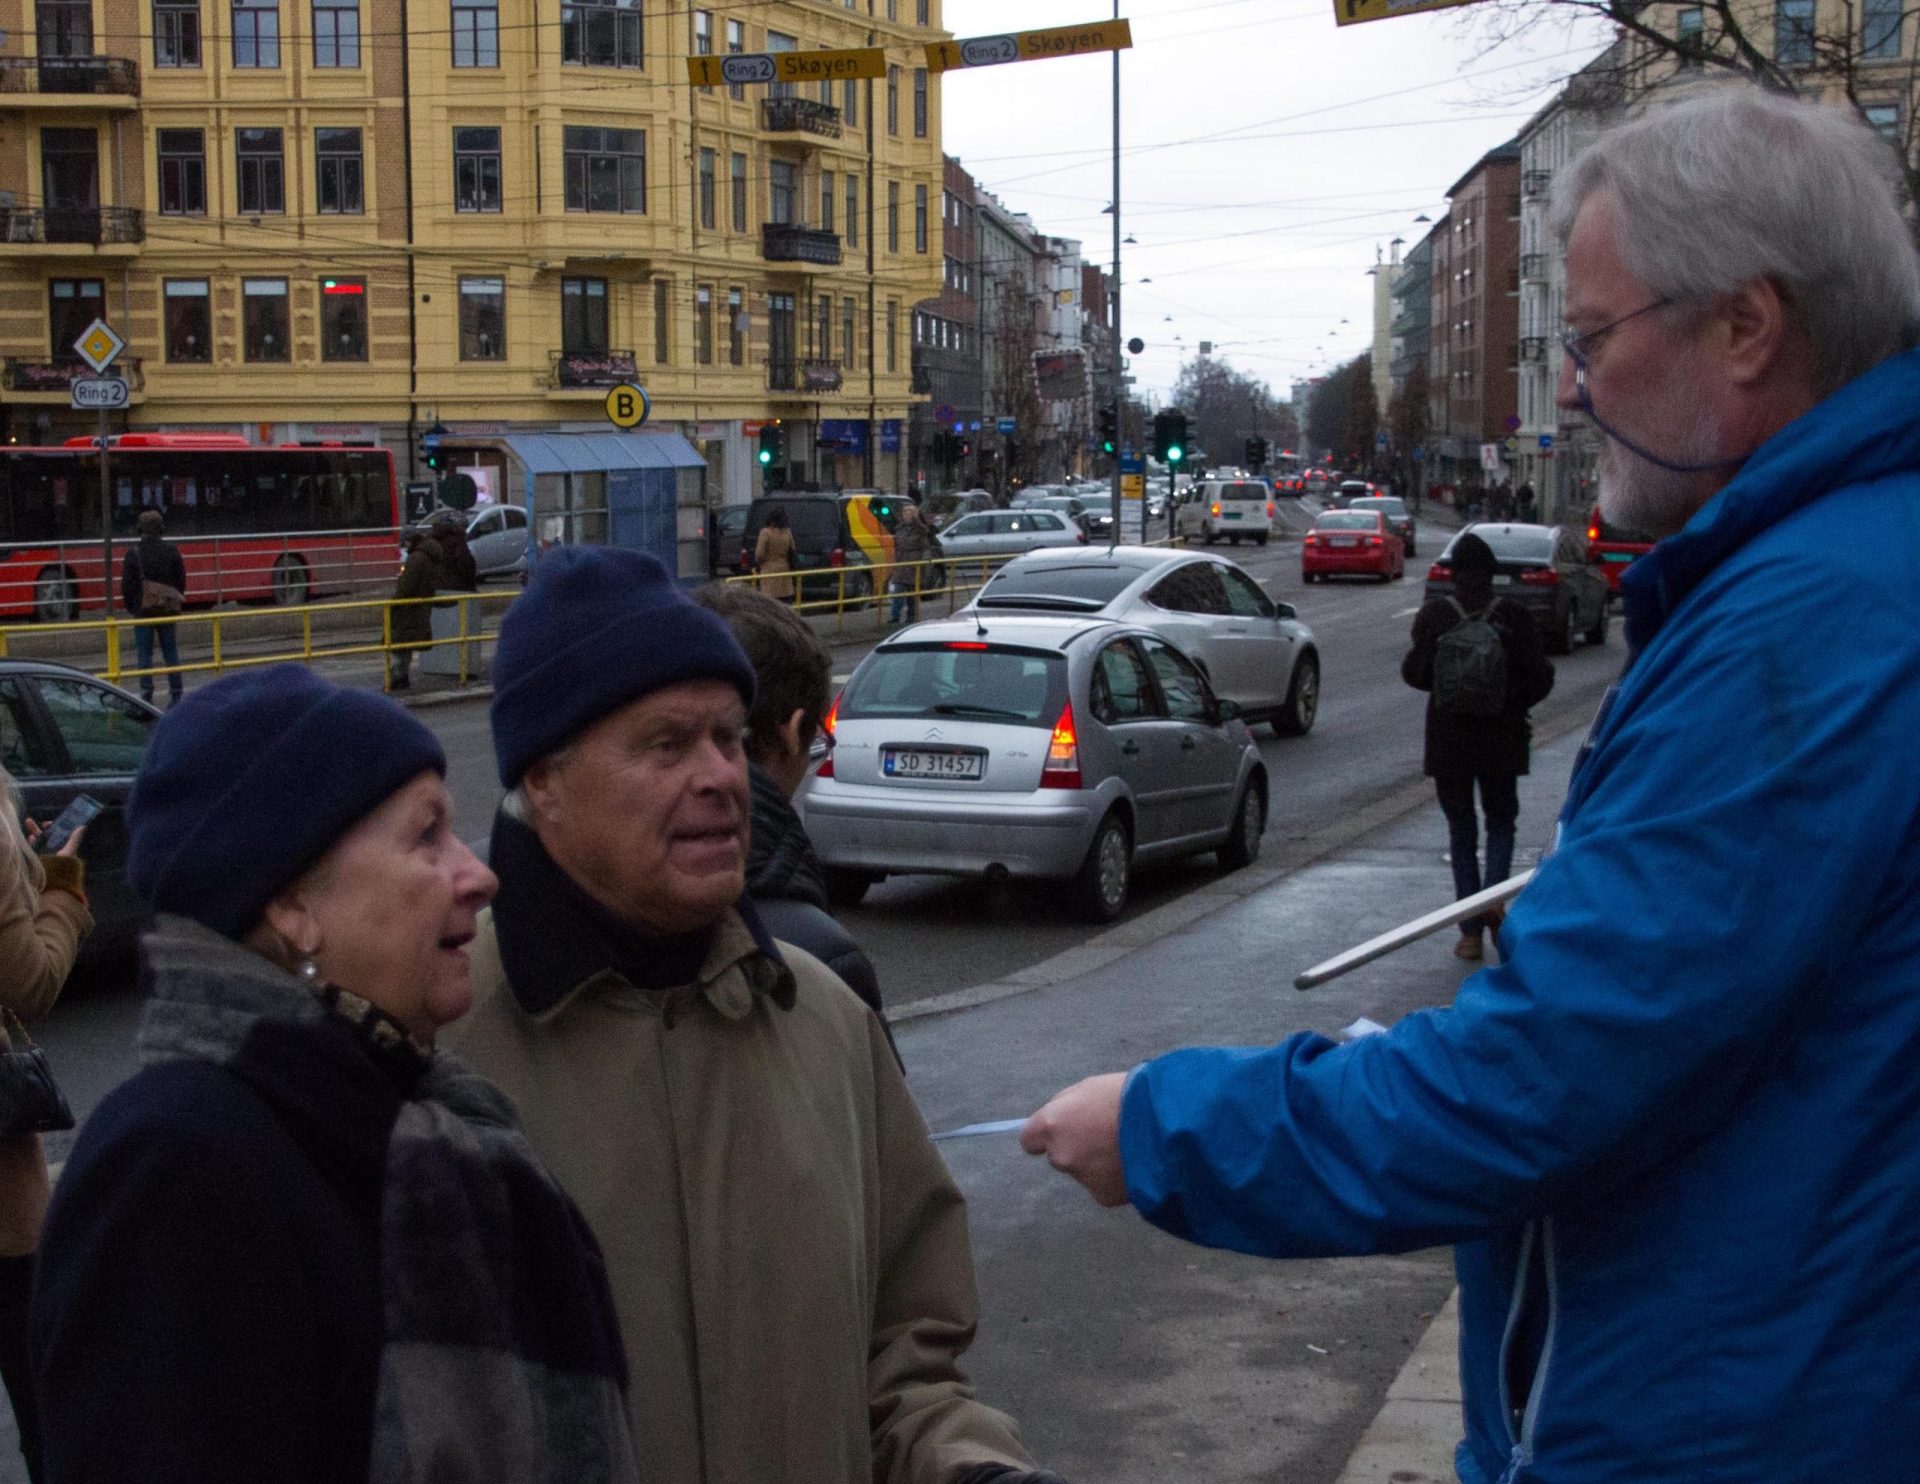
1476,320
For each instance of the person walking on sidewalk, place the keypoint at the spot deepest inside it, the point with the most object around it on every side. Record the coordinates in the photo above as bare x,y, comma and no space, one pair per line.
773,552
1483,665
1676,1134
153,584
913,543
411,623
302,1244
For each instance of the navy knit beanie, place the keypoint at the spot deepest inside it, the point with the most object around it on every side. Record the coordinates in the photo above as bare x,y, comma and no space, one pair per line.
250,780
595,629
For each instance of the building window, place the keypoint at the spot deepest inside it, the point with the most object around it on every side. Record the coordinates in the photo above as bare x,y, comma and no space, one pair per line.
1880,30
893,100
264,321
262,172
72,305
853,211
893,335
336,33
823,327
476,169
343,319
709,188
601,33
783,193
827,202
476,33
583,316
606,169
703,36
189,321
256,33
736,327
920,10
703,325
920,102
919,218
183,171
736,44
1689,34
893,216
64,28
780,336
1793,32
850,101
176,33
777,43
483,319
338,172
662,320
739,193
847,318
1885,119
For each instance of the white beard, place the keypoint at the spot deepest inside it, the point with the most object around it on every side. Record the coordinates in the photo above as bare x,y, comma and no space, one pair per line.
1642,496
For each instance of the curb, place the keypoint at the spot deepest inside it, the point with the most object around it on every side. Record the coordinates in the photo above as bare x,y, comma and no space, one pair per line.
1411,1439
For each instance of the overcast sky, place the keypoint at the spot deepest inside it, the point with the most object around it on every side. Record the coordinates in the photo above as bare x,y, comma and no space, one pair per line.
1259,242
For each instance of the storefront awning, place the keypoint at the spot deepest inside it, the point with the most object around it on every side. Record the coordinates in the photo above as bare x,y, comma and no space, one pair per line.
586,453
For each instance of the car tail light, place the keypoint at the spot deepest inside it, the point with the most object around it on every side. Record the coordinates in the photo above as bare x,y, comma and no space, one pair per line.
1374,541
839,557
825,770
1593,531
967,644
1081,537
1216,509
1269,510
1311,540
1439,572
746,559
1540,577
1062,768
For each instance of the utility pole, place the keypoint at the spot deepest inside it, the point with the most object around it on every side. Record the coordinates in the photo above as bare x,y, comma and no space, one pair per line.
873,395
1113,327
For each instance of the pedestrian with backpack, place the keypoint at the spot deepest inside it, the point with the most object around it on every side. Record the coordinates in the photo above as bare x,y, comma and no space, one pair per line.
153,584
1483,665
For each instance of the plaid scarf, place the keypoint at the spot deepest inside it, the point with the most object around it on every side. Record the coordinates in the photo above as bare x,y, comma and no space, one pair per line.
501,1362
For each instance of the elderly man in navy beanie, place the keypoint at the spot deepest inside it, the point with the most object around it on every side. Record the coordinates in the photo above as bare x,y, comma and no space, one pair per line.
788,1255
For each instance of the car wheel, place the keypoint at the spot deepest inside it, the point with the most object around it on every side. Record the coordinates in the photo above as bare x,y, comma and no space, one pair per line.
1261,539
1565,634
1233,540
1303,700
1100,890
56,599
846,888
1206,534
1598,633
1242,845
290,584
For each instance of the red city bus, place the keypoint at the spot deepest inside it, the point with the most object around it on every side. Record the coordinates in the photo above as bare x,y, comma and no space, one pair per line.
281,523
1613,547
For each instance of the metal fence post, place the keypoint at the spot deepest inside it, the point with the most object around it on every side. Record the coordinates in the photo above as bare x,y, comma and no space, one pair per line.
216,644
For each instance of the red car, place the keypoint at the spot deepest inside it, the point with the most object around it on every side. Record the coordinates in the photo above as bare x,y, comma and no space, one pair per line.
1347,543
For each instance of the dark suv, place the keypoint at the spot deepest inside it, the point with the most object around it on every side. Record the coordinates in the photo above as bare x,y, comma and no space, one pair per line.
1545,570
823,544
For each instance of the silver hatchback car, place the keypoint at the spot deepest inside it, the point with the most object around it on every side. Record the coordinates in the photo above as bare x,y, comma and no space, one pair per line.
1041,747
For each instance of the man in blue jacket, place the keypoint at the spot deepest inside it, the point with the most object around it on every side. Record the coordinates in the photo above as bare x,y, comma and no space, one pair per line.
1676,1134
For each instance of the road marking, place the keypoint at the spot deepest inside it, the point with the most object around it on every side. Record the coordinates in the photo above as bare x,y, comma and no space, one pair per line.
1406,613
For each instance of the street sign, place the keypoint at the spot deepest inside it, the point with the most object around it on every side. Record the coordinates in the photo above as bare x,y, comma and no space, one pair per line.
1135,346
1419,455
1133,486
628,406
1380,442
1490,457
814,66
1546,442
91,392
1006,427
1352,12
1029,46
99,346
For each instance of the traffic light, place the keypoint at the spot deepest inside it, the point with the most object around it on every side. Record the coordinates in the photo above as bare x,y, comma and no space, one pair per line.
1256,454
1109,429
430,454
1170,436
773,445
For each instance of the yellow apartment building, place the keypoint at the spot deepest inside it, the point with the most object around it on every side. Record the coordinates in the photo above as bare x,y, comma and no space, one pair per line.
361,220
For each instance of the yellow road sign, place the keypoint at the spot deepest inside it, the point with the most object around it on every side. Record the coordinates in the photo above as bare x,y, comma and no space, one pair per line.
1030,46
628,406
815,66
1353,12
99,345
1133,486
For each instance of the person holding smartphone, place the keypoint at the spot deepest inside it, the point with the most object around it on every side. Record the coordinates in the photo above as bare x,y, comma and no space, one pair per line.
43,917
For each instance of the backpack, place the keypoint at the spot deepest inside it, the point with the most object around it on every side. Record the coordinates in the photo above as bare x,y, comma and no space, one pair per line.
1470,666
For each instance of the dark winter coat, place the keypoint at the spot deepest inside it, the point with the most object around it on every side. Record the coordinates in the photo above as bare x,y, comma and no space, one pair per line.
789,890
1481,744
154,558
420,578
461,572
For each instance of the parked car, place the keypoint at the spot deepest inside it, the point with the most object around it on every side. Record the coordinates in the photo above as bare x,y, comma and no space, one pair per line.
826,552
991,533
1546,570
1254,652
496,535
63,734
726,530
1351,543
1349,490
941,510
1095,516
1236,509
1399,518
1052,748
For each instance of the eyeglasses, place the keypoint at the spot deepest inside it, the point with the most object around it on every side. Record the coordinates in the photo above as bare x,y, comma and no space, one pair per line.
1582,344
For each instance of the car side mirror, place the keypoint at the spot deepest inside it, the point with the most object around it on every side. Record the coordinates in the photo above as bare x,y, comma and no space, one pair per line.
1285,610
1226,710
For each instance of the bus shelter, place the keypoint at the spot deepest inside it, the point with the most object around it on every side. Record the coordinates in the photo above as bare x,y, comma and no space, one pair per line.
640,491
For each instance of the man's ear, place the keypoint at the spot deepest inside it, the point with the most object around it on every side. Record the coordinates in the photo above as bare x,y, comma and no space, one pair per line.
1755,330
791,731
538,785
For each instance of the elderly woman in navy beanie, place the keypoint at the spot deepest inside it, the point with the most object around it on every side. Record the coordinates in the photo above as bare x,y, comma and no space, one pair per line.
302,1244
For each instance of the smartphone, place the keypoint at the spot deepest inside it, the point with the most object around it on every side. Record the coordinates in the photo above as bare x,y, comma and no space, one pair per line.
81,811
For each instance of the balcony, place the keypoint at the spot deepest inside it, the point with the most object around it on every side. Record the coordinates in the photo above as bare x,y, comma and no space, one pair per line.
573,369
63,79
57,376
88,226
808,377
799,116
1533,348
1533,265
1536,182
782,242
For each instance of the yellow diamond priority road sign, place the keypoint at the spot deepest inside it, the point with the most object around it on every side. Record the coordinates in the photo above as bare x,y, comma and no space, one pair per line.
99,346
1352,12
1030,46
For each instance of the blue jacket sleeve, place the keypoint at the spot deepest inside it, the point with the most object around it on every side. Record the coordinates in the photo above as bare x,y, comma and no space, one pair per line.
1737,829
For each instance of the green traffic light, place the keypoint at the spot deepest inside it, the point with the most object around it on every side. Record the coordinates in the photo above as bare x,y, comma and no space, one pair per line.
766,456
1175,453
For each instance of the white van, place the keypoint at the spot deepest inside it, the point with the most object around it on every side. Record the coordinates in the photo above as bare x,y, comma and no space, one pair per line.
1238,509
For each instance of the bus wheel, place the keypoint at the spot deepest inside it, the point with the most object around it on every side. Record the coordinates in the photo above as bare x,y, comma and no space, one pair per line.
289,581
55,599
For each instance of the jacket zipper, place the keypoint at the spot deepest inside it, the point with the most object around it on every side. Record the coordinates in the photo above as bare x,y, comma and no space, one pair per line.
1522,1445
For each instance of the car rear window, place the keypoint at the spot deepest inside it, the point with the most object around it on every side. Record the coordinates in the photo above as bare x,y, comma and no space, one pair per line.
1348,520
1022,687
1516,543
1081,583
1243,492
1392,508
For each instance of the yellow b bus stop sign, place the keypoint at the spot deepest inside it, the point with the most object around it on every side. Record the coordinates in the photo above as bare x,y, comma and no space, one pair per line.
628,406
